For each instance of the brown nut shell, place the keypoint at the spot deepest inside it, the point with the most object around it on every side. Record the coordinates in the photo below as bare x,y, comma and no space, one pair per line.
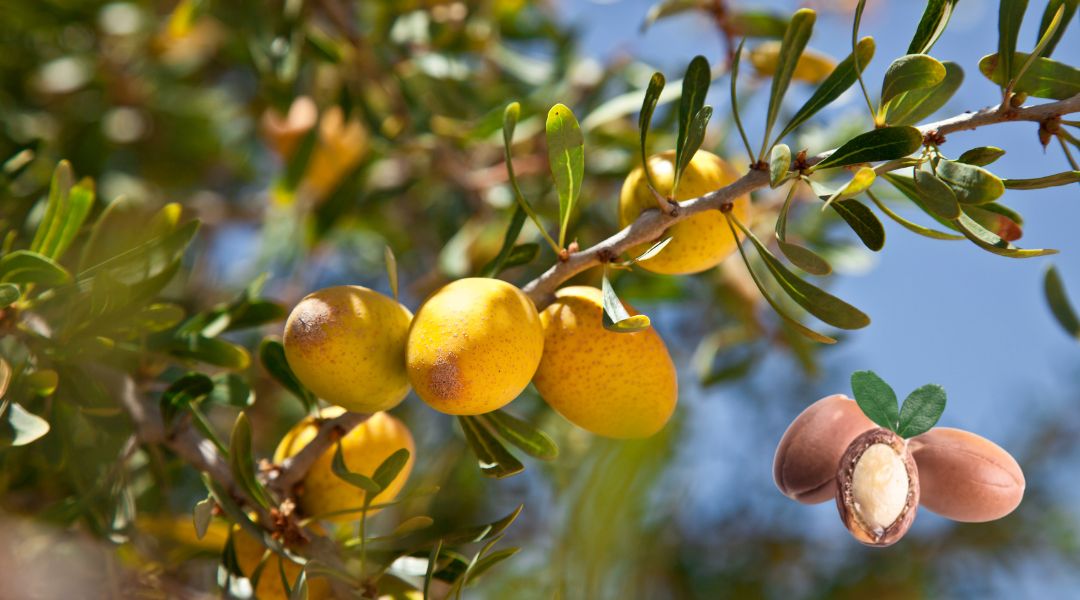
804,467
966,477
845,496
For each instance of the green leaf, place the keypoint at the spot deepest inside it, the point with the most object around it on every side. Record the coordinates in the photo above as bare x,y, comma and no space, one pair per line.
232,389
911,226
816,301
1064,178
692,115
201,516
242,463
510,119
667,8
791,48
981,156
906,186
391,269
485,563
1048,17
994,221
145,260
913,106
9,293
42,382
389,469
5,376
433,560
1058,299
19,427
779,164
973,185
299,590
615,317
859,182
1044,41
886,143
648,106
211,351
652,250
911,72
756,23
494,459
341,470
566,154
991,242
185,391
876,399
1045,78
733,81
934,20
498,264
481,533
937,196
838,82
1010,17
862,221
921,410
52,222
801,257
522,434
272,357
25,266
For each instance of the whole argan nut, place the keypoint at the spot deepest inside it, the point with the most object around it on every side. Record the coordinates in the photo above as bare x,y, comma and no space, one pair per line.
966,477
877,488
804,467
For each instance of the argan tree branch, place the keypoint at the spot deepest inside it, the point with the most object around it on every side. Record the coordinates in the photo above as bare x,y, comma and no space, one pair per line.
652,223
293,469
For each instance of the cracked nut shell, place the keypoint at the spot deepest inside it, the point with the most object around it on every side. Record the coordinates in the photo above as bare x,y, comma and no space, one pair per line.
861,506
966,477
804,467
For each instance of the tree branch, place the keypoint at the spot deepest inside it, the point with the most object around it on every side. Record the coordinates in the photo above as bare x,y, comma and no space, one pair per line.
651,224
293,469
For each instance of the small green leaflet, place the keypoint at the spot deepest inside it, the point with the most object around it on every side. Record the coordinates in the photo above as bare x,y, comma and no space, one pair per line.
981,156
358,480
937,196
615,316
693,116
886,143
779,164
242,464
522,434
972,185
911,72
934,20
913,106
1048,17
391,269
876,399
791,48
1064,178
801,257
648,106
1058,300
493,458
1010,17
921,410
566,155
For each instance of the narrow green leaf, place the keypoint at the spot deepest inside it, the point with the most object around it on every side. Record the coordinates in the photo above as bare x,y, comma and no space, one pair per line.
909,225
566,154
211,351
756,23
981,156
357,480
801,257
911,72
886,143
19,427
299,589
989,241
937,195
1044,41
232,389
242,463
510,119
185,391
480,533
498,264
494,459
973,185
695,87
9,293
522,434
1058,299
615,317
921,410
433,560
652,251
906,186
733,81
838,82
876,399
25,266
1010,17
391,269
485,563
667,8
934,20
1064,178
389,469
779,164
859,182
52,223
201,516
862,221
1045,78
791,48
913,106
1048,17
816,301
272,357
1001,225
648,106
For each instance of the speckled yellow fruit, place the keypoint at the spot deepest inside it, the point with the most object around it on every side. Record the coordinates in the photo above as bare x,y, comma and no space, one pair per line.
813,67
364,449
619,385
473,346
699,242
347,345
249,553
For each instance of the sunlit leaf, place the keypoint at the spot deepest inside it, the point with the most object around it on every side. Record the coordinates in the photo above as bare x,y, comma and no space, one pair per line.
991,242
876,399
242,463
692,114
791,48
493,458
1064,178
185,391
859,182
934,20
272,357
211,351
1048,17
911,226
756,23
522,434
201,516
615,316
886,143
779,164
838,82
1001,225
1010,17
1040,47
566,154
1045,78
981,156
391,269
389,469
973,185
911,72
357,480
648,106
1060,305
913,106
24,266
937,196
653,250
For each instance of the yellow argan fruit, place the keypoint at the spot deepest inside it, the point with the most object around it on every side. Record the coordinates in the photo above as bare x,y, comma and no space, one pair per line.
364,449
249,553
813,67
699,242
347,345
619,385
473,346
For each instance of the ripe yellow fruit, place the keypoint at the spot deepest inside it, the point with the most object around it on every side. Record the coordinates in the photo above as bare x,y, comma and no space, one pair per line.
364,449
813,67
620,385
249,553
347,345
699,242
473,346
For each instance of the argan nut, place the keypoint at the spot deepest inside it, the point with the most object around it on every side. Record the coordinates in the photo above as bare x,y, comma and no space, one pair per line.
877,488
966,477
804,467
